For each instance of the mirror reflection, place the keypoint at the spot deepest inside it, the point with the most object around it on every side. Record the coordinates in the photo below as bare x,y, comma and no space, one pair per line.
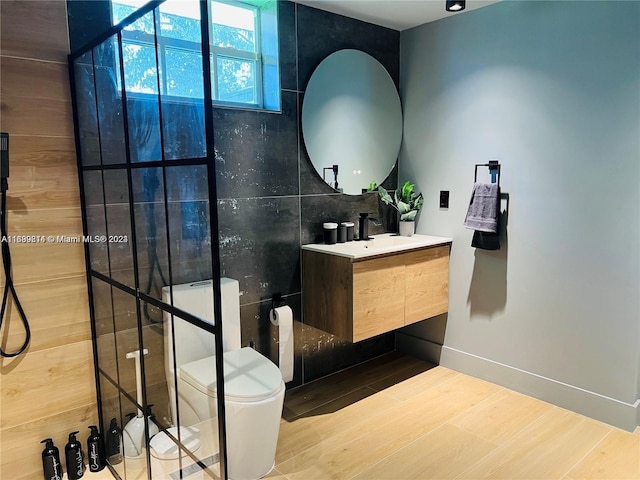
352,121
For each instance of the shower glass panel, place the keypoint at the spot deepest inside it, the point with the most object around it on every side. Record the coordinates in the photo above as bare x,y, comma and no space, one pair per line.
109,100
189,223
143,113
111,425
104,326
119,239
194,412
141,86
134,447
87,112
96,221
126,331
155,378
151,235
182,80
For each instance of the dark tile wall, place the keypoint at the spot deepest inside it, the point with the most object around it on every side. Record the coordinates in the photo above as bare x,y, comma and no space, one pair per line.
87,19
271,201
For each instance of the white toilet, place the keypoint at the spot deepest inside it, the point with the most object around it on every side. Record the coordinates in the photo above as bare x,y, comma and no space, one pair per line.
254,389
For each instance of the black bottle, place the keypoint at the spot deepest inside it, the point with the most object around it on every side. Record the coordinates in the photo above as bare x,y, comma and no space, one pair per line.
51,461
114,443
95,450
363,226
74,457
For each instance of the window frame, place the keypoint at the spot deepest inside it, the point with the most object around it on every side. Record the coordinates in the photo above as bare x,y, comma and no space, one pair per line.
164,43
232,53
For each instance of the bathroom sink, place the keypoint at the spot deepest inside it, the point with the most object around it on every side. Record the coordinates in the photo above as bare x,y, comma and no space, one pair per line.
383,244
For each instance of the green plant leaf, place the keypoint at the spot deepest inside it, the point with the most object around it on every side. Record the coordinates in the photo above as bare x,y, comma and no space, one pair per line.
404,200
384,196
418,202
407,190
409,216
403,207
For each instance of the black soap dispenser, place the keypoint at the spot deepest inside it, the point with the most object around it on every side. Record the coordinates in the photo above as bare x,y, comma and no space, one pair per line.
114,443
363,226
75,457
95,450
51,461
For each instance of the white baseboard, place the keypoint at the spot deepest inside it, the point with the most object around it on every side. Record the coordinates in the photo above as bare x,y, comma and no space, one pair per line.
605,409
418,347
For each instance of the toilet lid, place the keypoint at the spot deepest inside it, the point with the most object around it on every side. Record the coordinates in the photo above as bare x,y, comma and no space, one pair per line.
248,376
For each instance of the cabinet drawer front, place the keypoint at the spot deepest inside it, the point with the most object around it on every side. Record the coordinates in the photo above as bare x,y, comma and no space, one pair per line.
378,297
427,283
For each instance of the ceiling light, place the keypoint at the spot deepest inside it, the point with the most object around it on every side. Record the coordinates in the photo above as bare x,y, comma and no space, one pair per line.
455,5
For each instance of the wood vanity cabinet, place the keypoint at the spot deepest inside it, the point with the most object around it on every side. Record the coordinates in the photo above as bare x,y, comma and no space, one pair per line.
359,298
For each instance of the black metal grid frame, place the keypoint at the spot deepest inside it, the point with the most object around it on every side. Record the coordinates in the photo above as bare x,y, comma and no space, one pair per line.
136,293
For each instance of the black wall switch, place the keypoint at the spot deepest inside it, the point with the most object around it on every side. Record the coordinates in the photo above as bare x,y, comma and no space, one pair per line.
444,198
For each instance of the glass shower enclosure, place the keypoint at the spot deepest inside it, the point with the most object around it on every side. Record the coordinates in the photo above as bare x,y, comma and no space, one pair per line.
147,175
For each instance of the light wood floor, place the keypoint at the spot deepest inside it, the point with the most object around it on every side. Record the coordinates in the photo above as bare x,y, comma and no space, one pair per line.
395,418
398,418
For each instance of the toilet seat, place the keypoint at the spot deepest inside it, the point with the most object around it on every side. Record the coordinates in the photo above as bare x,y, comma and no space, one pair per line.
248,376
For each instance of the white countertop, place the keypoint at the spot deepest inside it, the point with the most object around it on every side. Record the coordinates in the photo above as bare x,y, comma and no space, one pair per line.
383,244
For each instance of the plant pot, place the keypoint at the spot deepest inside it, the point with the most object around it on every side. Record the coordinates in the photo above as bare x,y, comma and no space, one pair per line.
407,229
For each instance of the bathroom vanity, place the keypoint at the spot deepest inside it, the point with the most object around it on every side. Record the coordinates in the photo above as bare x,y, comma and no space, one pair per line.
358,290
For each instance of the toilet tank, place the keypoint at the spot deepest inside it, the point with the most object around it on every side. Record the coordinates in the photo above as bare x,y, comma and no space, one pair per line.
191,342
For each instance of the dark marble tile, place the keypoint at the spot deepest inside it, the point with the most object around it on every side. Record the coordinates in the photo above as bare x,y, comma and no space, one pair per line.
87,19
260,245
258,330
317,209
287,41
324,353
256,152
321,33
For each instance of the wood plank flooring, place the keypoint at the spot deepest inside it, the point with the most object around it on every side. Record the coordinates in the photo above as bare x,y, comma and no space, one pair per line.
398,418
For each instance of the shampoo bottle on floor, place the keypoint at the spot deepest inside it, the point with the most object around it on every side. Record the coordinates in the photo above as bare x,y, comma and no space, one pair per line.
75,457
51,461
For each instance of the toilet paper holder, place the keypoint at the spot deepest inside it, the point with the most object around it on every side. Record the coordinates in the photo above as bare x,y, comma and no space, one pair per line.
277,300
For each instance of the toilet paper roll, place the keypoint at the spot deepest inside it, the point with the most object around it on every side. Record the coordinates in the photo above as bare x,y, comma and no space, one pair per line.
282,317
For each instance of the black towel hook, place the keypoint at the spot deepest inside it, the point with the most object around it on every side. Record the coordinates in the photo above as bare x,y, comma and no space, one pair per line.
494,170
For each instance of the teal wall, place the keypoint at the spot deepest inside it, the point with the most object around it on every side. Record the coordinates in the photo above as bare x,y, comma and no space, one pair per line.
551,90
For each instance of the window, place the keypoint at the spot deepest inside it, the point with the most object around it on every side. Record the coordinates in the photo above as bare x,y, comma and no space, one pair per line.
243,45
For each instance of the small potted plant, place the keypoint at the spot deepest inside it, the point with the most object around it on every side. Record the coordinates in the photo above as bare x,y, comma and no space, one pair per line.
407,202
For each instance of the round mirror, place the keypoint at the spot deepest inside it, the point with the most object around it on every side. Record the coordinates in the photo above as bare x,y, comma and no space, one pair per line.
352,121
